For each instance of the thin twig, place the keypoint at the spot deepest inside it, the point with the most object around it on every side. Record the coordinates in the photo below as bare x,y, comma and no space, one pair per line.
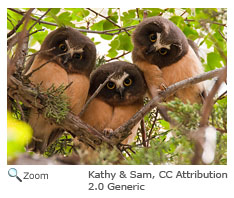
108,19
39,19
151,130
36,31
143,133
117,57
145,14
106,32
20,108
17,26
14,39
222,35
183,13
138,16
120,132
34,19
206,21
223,95
95,94
161,13
16,63
208,104
42,65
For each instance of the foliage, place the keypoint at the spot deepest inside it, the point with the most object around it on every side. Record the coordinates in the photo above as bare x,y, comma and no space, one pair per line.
18,135
205,26
57,105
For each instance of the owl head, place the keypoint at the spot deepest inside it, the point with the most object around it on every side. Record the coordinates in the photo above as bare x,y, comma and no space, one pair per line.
158,41
126,87
69,48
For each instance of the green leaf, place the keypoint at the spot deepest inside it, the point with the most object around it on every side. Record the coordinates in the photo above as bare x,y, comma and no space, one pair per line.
154,11
106,37
128,18
78,14
125,42
65,19
165,124
214,60
40,36
190,33
113,15
18,135
178,20
55,10
112,53
108,25
98,26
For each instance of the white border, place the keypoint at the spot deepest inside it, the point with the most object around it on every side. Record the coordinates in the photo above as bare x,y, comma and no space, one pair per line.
65,181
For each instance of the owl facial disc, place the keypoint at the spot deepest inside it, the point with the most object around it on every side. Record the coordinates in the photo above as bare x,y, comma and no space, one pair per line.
119,83
157,44
71,51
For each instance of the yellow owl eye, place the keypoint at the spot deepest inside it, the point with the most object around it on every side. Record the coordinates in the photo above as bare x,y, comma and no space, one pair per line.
63,47
110,85
77,56
153,37
127,82
163,51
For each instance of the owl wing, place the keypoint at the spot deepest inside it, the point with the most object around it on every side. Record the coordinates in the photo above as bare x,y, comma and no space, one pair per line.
153,77
98,114
78,91
121,115
48,75
188,66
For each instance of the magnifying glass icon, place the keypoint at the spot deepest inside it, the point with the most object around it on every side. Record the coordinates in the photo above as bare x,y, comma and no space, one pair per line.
12,172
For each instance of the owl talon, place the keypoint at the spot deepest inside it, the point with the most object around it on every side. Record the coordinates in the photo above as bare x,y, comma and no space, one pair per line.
162,87
107,132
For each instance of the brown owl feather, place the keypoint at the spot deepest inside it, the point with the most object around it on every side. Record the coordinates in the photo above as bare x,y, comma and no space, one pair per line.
119,100
165,56
71,57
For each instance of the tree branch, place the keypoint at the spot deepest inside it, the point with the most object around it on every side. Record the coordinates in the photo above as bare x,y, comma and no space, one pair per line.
108,19
95,94
32,18
208,104
106,32
38,20
117,57
120,133
87,134
16,27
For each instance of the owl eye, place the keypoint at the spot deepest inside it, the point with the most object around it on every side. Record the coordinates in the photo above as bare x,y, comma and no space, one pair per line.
63,47
77,56
163,51
110,85
127,82
153,37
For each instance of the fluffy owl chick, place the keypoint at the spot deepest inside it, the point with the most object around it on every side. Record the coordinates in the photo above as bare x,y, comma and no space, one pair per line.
119,100
165,56
70,57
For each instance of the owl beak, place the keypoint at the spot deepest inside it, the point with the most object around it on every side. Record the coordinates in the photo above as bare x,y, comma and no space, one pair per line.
121,90
67,58
150,49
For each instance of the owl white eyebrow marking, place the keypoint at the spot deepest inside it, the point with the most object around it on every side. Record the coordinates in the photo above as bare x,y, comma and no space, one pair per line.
158,45
119,82
72,50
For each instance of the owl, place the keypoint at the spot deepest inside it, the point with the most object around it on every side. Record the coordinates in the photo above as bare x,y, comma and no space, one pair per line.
166,56
70,57
119,100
